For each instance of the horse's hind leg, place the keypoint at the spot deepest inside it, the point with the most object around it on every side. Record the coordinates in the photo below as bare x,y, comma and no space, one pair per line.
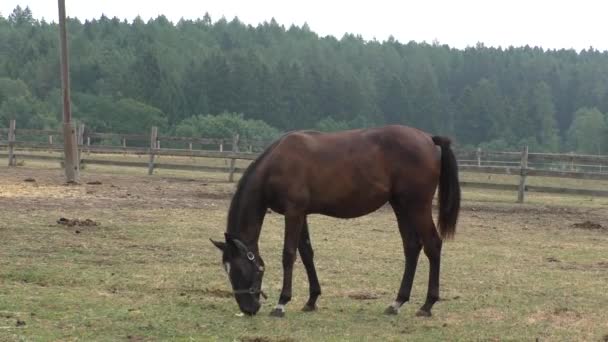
432,248
411,249
416,225
307,255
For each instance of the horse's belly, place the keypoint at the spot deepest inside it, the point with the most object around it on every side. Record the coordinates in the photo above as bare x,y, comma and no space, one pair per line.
354,206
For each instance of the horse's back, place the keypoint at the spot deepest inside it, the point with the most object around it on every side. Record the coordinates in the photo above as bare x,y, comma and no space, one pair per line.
398,145
349,173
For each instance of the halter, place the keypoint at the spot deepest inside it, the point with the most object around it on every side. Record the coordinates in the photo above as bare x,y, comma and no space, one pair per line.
253,289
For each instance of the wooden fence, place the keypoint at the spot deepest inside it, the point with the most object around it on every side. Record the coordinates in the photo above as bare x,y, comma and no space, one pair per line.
522,164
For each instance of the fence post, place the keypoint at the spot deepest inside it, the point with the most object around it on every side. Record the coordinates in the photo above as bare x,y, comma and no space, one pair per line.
50,140
235,148
522,175
80,141
153,137
11,143
80,138
571,161
478,154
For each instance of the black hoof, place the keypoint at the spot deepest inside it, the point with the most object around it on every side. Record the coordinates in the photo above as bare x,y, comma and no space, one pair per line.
309,308
423,313
277,313
391,311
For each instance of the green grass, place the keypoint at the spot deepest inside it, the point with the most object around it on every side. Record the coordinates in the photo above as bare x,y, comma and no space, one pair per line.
149,272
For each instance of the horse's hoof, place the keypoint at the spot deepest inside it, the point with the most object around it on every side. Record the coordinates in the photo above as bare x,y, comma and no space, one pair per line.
391,311
423,313
277,313
309,308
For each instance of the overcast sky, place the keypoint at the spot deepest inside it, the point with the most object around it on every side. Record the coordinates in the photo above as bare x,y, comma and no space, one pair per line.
552,24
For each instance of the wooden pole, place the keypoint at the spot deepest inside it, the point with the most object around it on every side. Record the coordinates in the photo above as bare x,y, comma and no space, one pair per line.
522,175
571,161
11,143
153,136
235,148
81,134
80,140
70,148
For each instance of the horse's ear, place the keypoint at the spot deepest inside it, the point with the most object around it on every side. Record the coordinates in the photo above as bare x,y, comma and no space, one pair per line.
220,245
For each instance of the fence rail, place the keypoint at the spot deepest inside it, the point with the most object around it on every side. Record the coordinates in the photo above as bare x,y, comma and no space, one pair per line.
521,164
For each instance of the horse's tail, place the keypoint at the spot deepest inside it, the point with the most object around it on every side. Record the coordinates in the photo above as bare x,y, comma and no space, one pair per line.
449,189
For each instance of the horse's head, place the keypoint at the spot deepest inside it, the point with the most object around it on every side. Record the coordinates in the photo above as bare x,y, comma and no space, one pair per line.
245,271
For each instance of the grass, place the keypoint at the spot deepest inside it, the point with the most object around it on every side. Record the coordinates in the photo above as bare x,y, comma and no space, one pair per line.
149,272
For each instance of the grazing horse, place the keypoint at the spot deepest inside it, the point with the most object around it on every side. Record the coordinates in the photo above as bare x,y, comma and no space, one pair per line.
344,174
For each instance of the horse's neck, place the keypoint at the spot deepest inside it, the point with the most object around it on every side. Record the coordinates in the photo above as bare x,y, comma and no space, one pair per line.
250,216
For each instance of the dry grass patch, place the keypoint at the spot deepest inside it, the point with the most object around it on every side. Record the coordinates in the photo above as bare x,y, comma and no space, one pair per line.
148,272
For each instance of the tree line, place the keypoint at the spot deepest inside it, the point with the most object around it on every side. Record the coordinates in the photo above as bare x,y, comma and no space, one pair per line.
265,79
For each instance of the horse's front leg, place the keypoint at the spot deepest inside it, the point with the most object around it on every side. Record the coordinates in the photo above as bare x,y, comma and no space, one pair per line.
293,228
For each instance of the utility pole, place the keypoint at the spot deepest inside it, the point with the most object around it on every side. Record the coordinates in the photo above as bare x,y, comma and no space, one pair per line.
70,148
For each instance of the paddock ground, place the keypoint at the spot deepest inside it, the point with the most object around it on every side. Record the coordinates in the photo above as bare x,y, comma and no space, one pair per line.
143,268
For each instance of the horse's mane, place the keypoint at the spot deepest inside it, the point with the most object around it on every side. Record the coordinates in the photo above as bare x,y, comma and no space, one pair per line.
237,199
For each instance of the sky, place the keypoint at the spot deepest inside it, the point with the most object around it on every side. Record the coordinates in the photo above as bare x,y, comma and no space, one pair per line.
551,24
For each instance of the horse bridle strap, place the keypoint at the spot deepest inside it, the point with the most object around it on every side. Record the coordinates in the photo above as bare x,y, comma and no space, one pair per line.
252,290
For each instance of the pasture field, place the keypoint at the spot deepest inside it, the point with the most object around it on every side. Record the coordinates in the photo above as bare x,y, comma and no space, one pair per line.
144,269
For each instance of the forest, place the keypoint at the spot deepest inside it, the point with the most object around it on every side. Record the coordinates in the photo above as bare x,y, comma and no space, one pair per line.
214,77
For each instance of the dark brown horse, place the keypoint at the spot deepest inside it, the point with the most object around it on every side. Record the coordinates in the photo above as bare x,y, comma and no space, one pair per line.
346,175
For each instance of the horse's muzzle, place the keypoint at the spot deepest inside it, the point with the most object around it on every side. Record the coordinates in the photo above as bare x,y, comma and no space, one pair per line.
251,310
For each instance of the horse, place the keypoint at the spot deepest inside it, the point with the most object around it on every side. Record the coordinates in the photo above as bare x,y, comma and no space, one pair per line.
345,174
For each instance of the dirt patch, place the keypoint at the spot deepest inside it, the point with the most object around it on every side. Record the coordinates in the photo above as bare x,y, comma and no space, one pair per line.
213,196
218,293
135,338
364,295
265,339
114,191
600,266
77,222
489,314
588,225
558,317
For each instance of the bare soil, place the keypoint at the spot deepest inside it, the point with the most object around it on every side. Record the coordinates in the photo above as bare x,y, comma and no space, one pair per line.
112,191
123,191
